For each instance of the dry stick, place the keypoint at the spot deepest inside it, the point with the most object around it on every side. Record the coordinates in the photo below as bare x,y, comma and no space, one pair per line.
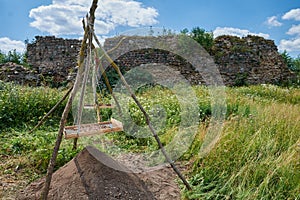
56,148
90,22
153,131
51,111
115,66
66,111
81,60
104,73
85,77
117,46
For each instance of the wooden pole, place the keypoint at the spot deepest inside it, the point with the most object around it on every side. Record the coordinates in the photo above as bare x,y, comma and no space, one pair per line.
51,111
67,109
103,73
56,148
115,66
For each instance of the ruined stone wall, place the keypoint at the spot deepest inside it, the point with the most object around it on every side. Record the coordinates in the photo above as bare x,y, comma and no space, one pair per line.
248,60
157,57
11,72
240,61
53,58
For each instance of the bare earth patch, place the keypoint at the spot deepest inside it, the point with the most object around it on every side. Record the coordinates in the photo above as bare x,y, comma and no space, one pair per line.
88,176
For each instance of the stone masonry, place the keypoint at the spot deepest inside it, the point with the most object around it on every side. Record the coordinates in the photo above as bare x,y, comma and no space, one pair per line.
247,60
53,58
240,61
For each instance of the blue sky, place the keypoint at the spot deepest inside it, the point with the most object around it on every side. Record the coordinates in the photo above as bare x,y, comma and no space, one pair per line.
278,20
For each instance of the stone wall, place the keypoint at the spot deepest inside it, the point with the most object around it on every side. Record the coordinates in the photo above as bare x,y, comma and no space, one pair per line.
248,60
53,58
240,61
156,57
11,72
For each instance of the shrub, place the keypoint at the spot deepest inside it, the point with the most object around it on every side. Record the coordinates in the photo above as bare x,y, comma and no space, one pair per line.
25,106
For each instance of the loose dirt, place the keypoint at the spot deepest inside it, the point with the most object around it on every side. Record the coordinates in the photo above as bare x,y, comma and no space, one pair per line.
88,176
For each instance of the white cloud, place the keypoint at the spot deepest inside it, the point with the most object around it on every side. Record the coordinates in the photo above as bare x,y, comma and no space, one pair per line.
236,32
290,45
294,30
63,17
273,22
7,44
292,14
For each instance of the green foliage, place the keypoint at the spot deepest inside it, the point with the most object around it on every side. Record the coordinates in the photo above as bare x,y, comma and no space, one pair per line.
25,106
287,59
241,79
270,93
13,56
113,78
167,32
2,57
204,38
185,31
33,151
294,65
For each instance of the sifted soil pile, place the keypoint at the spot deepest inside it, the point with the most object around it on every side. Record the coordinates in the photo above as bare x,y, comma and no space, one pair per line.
88,176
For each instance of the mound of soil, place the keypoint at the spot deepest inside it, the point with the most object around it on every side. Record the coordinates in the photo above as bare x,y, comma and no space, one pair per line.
88,176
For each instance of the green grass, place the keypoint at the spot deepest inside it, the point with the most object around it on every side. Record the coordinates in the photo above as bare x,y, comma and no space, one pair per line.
24,157
258,154
256,157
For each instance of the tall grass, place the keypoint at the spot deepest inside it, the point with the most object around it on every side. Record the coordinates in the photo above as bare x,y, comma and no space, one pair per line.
258,155
26,155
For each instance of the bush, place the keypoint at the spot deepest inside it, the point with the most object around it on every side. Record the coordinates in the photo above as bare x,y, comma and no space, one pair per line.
24,106
204,38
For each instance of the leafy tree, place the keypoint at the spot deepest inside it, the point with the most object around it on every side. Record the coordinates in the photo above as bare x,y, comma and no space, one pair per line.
2,57
287,59
184,31
167,32
204,38
292,63
296,64
13,56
